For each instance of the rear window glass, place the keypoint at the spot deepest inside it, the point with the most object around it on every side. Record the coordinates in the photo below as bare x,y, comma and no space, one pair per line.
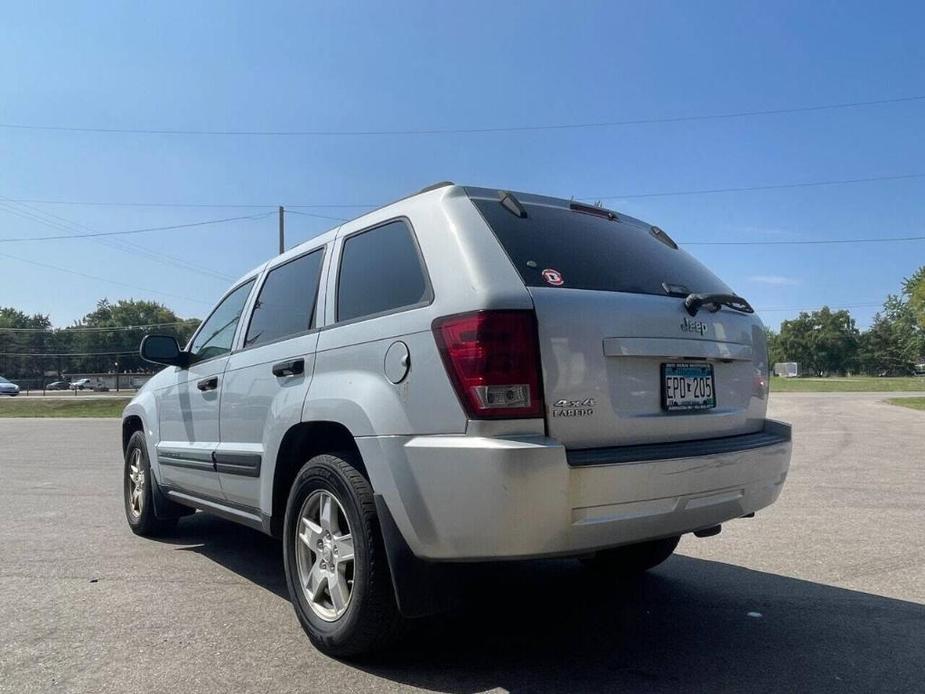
557,246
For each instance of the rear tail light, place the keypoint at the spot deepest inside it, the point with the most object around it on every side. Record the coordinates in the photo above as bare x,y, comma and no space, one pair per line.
493,360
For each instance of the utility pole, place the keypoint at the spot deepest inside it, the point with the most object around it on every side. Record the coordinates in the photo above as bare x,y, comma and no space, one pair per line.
282,229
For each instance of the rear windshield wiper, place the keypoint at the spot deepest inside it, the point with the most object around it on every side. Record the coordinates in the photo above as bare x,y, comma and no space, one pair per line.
693,302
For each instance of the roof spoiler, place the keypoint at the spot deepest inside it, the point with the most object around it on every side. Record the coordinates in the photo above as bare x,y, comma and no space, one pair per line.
435,186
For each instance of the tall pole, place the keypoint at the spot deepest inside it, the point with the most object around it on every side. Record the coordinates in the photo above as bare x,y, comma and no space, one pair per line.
282,230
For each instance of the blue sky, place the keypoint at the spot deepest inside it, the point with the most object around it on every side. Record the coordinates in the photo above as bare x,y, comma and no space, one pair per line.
400,65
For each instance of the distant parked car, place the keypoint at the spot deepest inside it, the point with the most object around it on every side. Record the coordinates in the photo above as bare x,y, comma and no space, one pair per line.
919,369
7,388
82,384
58,385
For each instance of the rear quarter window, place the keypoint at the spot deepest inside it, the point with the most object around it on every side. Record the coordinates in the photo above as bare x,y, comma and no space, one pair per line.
381,270
585,251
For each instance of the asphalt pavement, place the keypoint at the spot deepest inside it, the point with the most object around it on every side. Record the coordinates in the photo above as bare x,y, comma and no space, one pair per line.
824,591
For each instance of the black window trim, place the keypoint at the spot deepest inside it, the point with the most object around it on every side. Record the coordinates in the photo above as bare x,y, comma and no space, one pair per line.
428,286
193,361
313,326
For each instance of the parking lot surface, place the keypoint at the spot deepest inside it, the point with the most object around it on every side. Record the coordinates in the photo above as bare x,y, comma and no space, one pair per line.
824,591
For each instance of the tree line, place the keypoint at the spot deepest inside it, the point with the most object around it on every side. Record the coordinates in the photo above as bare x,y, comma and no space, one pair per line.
105,340
826,342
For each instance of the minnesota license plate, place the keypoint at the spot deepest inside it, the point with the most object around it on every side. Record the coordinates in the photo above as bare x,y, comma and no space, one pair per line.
688,387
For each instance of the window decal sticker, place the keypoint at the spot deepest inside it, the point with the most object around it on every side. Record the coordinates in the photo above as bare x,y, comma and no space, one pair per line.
553,277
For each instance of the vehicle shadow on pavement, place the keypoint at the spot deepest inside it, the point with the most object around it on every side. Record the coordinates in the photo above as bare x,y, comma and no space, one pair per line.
252,555
689,625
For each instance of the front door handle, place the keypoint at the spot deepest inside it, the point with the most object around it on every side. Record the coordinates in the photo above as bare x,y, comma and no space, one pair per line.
293,367
210,383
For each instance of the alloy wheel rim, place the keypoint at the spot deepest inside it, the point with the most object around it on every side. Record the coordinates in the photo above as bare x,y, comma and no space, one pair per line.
324,555
136,484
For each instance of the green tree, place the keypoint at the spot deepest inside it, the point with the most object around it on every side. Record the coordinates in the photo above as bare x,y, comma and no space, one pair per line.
22,334
775,350
822,342
896,340
112,335
914,289
883,347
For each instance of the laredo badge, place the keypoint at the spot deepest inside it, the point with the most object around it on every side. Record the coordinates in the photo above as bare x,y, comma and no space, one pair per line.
573,408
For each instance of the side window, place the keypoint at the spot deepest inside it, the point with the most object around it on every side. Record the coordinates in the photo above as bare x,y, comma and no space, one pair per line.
380,270
286,304
215,336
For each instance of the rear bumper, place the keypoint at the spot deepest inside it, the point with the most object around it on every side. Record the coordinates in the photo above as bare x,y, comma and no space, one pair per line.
466,498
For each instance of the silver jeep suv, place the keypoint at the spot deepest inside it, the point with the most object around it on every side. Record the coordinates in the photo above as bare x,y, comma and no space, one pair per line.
464,375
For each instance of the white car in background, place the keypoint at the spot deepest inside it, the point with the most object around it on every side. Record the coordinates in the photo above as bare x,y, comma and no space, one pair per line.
81,384
8,388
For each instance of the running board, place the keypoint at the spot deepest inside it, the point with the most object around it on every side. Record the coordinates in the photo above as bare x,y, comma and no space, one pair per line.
244,515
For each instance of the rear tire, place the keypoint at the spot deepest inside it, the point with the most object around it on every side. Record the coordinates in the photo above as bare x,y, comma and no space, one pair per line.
632,559
345,605
138,491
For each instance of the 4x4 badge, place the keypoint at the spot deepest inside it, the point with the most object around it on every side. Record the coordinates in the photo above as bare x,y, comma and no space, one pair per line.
573,408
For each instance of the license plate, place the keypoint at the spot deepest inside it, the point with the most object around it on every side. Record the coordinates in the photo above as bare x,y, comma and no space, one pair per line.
688,387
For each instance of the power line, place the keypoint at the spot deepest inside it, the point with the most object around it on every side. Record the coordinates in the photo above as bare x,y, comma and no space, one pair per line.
72,227
220,205
649,194
745,189
319,216
342,219
44,201
64,224
813,242
468,131
48,266
47,219
134,231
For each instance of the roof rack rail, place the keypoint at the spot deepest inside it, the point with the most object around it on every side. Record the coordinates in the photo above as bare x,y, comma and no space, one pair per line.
434,186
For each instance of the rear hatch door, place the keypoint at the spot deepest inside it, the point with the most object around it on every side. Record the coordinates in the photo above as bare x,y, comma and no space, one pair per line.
623,360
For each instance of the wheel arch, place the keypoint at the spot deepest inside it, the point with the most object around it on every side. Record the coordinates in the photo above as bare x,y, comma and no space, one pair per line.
130,424
300,443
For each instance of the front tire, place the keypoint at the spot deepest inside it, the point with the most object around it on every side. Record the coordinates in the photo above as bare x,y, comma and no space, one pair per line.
632,559
137,491
336,567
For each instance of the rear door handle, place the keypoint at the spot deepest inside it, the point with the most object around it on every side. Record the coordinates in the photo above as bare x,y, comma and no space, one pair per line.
293,367
210,383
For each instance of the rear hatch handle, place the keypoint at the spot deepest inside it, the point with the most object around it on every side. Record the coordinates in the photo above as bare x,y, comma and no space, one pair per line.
693,302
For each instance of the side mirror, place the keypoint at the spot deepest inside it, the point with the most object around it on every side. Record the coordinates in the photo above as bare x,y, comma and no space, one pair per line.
163,349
